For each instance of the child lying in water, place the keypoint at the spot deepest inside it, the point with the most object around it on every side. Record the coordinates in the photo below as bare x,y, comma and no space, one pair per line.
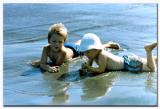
58,51
106,61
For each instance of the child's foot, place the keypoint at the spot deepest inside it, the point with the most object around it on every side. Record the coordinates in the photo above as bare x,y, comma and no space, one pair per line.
155,59
150,47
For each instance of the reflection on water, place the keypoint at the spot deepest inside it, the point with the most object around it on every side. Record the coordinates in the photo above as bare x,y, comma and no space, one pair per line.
56,89
61,98
151,82
98,86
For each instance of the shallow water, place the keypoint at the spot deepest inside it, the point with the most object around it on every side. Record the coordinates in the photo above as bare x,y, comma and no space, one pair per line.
25,31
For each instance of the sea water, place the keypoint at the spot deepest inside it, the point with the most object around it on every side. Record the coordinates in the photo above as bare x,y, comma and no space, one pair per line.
25,34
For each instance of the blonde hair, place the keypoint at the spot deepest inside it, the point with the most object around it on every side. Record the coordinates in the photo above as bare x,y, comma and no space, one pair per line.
58,29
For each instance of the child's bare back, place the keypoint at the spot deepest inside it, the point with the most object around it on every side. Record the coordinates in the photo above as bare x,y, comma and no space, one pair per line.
113,62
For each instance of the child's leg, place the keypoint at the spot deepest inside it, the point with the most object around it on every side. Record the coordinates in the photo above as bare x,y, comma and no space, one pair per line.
150,59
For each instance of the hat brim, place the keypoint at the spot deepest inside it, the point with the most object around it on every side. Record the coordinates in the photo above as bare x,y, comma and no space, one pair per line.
91,47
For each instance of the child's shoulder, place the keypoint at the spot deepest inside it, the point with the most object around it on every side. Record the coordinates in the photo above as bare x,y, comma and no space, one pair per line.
46,46
68,53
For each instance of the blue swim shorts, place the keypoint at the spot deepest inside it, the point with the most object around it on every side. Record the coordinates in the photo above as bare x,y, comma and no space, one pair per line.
75,49
132,63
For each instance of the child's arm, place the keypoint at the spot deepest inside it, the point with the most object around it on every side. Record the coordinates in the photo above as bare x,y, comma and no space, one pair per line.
89,63
43,63
101,65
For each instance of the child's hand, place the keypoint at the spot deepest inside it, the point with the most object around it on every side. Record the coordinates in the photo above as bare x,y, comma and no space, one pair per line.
85,66
54,69
82,72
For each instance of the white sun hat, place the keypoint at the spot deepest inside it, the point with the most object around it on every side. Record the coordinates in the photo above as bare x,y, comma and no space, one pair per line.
90,41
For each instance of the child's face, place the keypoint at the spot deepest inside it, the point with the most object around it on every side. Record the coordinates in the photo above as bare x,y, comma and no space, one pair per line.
56,42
